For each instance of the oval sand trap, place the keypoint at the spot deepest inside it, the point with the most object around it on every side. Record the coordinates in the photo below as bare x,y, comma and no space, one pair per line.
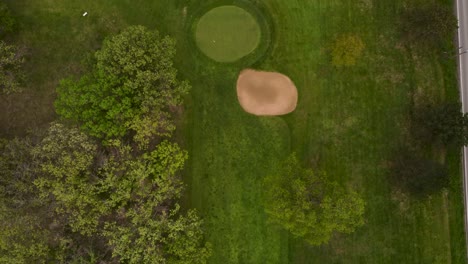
266,93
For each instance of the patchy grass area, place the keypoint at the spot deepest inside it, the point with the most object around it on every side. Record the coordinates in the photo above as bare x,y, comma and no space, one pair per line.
347,122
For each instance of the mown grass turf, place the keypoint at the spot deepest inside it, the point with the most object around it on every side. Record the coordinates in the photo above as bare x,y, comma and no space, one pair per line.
227,33
347,123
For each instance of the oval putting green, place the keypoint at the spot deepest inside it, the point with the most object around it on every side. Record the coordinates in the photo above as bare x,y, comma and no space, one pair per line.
227,33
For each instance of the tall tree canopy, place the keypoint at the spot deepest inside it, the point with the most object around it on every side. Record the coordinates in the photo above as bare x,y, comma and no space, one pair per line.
133,87
309,205
428,25
416,175
130,201
66,198
22,238
11,64
11,57
7,21
440,123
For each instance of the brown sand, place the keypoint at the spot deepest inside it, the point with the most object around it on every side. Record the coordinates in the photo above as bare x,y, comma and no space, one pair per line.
266,93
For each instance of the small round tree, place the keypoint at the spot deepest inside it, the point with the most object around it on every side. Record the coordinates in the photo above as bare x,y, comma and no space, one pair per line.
309,205
346,50
418,176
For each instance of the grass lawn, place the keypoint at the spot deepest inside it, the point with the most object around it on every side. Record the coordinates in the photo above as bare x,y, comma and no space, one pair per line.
347,123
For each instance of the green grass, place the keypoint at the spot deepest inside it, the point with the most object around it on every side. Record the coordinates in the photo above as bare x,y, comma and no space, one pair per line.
227,33
347,123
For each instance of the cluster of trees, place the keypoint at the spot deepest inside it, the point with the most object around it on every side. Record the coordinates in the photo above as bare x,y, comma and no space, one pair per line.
429,25
91,189
425,26
11,57
441,125
309,205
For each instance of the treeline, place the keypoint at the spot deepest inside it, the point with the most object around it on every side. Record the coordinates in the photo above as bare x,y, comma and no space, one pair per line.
417,165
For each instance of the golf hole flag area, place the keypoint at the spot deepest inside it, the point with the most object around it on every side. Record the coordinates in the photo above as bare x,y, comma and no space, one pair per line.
227,33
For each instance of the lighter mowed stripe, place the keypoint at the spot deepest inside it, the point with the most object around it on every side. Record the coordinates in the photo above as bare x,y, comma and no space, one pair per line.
227,33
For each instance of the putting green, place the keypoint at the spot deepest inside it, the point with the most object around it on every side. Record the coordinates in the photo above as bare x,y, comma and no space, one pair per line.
227,33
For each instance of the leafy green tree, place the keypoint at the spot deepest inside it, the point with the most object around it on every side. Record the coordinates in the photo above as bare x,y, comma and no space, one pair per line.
65,158
11,73
32,231
443,123
149,218
128,201
132,88
309,205
22,237
418,176
428,25
346,50
16,171
7,21
163,238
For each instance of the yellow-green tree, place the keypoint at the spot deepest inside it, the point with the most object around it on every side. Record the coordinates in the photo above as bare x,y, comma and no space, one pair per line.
346,50
65,198
128,202
11,68
309,205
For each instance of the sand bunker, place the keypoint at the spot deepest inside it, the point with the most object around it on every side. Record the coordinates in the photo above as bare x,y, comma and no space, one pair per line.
266,93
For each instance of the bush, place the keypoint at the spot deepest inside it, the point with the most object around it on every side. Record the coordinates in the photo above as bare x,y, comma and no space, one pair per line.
7,21
308,205
428,25
346,50
11,72
443,123
418,176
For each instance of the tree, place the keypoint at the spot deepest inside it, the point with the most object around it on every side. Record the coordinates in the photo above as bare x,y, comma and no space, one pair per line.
65,158
22,238
346,50
16,171
129,203
11,63
309,205
160,239
32,231
428,25
418,176
132,88
7,21
443,123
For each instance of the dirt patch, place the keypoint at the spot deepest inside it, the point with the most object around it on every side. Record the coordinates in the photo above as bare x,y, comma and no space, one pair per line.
266,93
